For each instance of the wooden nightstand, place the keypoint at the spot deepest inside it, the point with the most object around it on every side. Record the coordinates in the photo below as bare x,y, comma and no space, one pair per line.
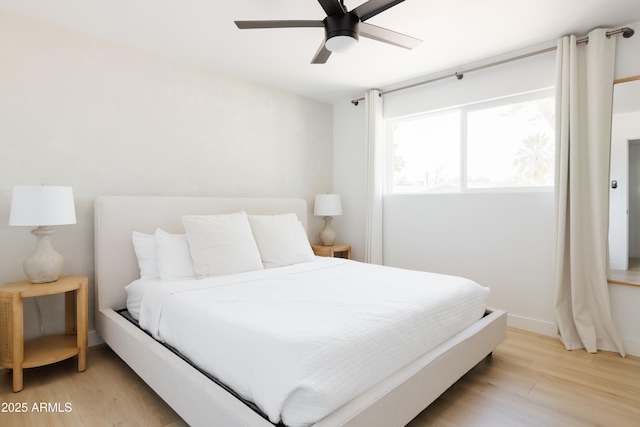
17,354
337,250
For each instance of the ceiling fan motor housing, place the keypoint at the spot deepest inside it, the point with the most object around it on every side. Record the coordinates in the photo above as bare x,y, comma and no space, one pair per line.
341,25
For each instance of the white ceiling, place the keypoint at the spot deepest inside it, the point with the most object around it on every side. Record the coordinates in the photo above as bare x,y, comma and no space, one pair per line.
455,33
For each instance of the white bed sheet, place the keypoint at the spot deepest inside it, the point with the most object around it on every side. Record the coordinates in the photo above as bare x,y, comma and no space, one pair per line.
301,341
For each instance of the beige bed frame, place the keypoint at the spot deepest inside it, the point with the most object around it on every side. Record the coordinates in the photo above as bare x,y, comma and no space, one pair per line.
200,401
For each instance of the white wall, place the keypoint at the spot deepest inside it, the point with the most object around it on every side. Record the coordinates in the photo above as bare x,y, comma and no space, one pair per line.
110,120
349,175
499,240
503,240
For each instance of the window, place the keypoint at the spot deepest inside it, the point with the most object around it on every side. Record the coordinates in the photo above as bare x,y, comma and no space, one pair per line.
507,143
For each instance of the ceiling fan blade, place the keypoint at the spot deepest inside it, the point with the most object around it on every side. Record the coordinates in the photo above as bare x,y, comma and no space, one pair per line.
387,36
374,7
332,7
248,25
321,55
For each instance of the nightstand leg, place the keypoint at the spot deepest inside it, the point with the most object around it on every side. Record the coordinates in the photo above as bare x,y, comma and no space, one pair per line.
18,341
81,325
70,312
74,306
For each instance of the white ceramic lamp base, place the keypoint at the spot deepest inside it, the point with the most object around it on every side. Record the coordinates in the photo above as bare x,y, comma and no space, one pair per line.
327,234
44,264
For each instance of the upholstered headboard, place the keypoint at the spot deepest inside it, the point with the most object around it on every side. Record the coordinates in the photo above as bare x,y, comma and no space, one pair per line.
116,217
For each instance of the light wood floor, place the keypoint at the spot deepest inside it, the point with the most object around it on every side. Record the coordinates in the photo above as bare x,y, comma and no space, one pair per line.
108,393
529,381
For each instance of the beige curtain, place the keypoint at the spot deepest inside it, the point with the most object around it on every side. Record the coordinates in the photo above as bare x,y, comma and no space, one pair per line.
375,175
584,92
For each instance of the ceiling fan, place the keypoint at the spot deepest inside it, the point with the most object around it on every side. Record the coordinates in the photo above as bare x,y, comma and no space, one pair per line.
343,27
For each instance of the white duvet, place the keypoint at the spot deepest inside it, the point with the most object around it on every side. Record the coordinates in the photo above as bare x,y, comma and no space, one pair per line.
301,341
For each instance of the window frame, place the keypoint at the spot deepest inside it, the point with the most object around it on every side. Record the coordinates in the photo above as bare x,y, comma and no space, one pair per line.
463,110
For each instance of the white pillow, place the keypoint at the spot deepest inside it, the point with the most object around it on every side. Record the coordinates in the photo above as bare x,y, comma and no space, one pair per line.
174,259
144,246
221,244
281,239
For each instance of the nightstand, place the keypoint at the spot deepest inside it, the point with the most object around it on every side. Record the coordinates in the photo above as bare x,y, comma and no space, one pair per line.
17,354
337,250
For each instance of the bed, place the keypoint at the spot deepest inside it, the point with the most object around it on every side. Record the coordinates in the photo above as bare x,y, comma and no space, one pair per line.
392,401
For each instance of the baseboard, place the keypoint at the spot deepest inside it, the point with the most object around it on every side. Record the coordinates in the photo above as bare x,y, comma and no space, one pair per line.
631,346
94,338
532,325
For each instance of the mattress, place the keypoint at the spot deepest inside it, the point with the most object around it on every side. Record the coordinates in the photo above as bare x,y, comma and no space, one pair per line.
301,341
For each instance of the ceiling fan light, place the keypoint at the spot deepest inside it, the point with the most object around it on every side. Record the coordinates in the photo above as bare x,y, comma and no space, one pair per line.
341,43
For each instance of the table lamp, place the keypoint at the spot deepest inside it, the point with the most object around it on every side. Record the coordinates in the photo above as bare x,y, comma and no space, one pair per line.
327,206
42,206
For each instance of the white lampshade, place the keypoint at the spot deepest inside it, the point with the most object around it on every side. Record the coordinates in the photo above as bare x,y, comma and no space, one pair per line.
327,205
36,205
341,44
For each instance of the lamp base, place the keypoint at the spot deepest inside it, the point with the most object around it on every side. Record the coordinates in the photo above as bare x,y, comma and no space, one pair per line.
327,234
44,264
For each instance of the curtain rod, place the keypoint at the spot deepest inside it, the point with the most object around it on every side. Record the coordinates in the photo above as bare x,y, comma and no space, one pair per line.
626,33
